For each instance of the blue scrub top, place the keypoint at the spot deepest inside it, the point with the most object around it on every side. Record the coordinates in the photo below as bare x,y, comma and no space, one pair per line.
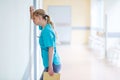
48,39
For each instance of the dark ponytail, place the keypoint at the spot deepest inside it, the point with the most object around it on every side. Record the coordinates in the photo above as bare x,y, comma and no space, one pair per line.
47,17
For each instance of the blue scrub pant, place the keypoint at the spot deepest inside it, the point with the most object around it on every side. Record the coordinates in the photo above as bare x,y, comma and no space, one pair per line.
56,69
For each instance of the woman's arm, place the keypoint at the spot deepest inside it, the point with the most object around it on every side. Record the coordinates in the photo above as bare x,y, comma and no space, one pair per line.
50,68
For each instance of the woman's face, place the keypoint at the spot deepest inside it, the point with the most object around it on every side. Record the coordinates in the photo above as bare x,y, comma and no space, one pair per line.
37,20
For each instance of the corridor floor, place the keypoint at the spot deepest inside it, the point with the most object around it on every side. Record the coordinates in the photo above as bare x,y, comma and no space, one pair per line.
79,63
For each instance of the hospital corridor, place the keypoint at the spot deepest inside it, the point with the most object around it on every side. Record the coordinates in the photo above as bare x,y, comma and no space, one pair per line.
86,38
80,63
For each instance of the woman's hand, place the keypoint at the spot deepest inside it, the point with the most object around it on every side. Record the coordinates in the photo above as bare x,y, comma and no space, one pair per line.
31,12
50,71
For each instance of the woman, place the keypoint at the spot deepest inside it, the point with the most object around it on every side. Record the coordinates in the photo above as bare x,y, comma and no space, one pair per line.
47,41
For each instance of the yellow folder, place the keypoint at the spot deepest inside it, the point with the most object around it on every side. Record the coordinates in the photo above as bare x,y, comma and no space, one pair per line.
46,76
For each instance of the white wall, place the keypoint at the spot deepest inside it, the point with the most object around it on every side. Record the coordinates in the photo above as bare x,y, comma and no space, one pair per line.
113,22
96,39
113,15
97,14
112,12
97,17
14,38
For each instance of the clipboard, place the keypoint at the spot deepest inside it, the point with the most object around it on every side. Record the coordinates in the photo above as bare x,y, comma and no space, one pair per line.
46,76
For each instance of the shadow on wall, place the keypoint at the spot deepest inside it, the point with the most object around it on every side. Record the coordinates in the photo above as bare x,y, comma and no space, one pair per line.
27,72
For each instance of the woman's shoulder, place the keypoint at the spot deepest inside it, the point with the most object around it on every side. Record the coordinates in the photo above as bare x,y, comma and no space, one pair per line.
49,28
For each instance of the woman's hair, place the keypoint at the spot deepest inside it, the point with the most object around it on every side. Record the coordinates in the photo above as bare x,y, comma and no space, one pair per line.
41,12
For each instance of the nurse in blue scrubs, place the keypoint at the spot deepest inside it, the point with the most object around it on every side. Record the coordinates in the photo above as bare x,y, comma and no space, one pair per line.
47,41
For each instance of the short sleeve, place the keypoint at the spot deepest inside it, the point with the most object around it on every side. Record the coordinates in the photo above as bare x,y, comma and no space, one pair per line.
49,39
